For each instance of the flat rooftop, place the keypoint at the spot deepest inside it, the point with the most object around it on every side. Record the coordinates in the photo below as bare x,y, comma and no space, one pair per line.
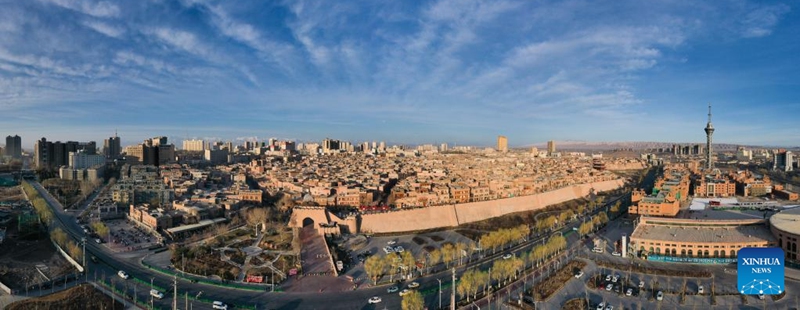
787,220
704,234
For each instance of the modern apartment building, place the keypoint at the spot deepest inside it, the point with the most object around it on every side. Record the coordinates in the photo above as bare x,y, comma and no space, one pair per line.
194,145
13,147
502,144
112,147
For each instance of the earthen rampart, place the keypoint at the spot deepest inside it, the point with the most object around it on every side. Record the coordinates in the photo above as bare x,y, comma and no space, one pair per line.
454,215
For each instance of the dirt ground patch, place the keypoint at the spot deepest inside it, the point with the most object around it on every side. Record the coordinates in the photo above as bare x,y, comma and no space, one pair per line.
19,260
13,193
576,304
555,282
77,298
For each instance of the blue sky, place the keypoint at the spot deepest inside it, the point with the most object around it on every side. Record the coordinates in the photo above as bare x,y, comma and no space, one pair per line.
401,71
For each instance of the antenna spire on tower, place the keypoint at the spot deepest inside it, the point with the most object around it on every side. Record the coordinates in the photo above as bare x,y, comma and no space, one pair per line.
709,112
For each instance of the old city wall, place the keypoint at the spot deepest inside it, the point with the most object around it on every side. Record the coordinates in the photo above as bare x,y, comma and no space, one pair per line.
454,215
636,165
410,220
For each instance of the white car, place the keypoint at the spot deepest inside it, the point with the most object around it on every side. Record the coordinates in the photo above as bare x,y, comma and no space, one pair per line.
629,292
660,296
404,292
388,249
392,289
597,250
508,256
609,287
608,278
413,285
641,284
601,306
391,242
219,305
156,294
761,296
615,278
123,274
700,289
615,253
399,249
374,300
579,274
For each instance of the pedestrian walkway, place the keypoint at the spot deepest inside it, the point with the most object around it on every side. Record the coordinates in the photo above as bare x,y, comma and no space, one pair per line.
314,253
318,273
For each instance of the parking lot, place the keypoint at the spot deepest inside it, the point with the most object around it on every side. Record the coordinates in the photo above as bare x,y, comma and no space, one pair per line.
416,244
125,236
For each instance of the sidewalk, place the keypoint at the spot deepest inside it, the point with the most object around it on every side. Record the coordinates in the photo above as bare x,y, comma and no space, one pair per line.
160,262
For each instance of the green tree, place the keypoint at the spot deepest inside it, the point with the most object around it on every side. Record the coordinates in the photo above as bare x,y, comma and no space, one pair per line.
413,301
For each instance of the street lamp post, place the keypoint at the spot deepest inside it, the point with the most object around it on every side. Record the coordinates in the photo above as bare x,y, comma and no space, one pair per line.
85,269
151,295
440,293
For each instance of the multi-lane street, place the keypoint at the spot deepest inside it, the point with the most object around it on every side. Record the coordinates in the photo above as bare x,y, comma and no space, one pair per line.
140,278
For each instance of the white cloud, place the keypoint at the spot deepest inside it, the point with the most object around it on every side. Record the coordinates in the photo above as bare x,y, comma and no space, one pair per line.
105,28
761,21
88,7
183,40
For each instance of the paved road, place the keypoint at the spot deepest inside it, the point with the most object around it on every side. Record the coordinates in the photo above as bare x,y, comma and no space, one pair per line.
130,262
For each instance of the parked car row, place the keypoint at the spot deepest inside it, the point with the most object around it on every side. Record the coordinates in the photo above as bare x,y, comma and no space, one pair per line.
390,249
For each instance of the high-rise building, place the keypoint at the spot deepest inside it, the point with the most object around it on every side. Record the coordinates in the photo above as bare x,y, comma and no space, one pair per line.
551,147
152,152
783,161
42,152
112,147
502,144
56,154
14,147
329,145
194,145
709,132
443,147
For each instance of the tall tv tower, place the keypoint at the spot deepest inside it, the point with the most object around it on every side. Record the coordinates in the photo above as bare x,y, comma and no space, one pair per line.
709,132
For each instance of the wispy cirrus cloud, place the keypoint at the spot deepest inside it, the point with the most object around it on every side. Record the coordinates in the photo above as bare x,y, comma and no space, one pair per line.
89,7
762,20
453,67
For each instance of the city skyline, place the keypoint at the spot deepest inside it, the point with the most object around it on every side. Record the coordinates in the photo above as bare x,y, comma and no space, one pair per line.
424,73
